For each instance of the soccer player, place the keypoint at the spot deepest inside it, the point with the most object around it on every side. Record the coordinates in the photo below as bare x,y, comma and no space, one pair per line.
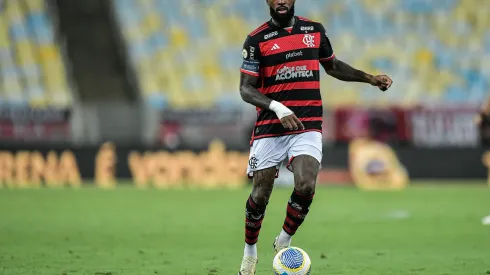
280,75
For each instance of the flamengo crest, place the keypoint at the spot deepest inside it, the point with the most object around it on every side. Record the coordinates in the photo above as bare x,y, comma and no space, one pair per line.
309,40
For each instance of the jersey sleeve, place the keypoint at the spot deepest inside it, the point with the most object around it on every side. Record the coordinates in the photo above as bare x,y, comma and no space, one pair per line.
251,57
326,50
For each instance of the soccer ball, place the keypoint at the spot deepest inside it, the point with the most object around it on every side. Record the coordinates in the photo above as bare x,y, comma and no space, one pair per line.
291,261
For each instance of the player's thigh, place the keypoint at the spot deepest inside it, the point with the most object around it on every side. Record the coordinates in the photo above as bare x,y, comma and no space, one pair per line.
267,153
263,183
309,143
266,156
305,154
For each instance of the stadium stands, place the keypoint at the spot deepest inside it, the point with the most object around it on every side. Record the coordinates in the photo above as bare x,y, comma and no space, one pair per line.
32,70
187,53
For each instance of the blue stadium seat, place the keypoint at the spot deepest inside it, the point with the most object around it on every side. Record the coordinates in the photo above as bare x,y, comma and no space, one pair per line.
423,43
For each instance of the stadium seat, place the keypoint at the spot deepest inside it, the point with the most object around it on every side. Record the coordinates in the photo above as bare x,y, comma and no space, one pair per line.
193,48
31,66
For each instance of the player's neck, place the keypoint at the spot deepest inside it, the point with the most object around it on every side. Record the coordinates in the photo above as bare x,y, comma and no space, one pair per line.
288,24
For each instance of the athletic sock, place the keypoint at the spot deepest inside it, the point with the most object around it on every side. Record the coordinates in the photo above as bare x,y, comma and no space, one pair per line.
298,207
284,238
254,215
250,250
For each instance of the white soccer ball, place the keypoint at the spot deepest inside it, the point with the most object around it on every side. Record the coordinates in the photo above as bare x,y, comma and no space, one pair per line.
291,261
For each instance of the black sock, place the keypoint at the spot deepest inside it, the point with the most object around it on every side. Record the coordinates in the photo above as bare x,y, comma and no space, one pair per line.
254,215
298,207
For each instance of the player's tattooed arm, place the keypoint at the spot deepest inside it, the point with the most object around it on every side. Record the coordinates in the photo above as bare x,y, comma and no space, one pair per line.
343,71
249,92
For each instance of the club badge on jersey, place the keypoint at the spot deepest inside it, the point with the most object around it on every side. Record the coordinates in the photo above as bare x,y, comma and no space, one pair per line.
309,40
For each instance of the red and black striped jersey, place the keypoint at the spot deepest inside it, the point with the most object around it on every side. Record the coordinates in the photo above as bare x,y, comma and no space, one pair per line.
287,60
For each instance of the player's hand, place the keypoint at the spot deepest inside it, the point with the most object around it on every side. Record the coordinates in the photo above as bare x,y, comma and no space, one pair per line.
383,82
291,122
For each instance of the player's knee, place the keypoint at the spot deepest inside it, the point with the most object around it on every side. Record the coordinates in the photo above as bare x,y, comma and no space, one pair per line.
261,195
306,185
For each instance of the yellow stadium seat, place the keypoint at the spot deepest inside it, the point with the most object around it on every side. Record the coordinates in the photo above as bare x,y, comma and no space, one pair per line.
4,36
408,51
38,102
54,77
145,66
178,100
133,33
12,86
152,22
34,5
178,37
149,84
424,58
52,68
25,53
48,53
234,32
13,11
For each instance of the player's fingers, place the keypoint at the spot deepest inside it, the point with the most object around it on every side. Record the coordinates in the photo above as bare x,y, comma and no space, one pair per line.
385,82
286,124
389,81
294,125
299,123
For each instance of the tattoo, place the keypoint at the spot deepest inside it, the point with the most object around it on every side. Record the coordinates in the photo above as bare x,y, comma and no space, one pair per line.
250,94
263,182
344,72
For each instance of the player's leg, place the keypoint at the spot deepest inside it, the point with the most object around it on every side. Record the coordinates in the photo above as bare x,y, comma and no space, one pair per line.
265,156
305,169
263,182
306,155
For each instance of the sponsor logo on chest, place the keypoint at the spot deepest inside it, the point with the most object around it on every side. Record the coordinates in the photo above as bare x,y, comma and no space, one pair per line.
294,54
286,72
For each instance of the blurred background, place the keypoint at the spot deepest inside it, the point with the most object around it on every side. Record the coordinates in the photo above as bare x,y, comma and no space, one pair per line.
162,75
145,93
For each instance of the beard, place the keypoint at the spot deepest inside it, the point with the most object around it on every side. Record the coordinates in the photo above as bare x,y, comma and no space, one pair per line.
282,19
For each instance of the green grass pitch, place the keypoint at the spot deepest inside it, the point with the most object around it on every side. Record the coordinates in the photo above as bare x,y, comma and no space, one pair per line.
428,230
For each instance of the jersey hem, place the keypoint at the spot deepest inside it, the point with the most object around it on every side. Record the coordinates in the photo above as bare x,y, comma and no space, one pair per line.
285,134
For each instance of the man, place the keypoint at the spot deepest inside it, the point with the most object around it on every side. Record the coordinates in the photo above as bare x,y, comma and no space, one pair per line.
482,120
280,75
